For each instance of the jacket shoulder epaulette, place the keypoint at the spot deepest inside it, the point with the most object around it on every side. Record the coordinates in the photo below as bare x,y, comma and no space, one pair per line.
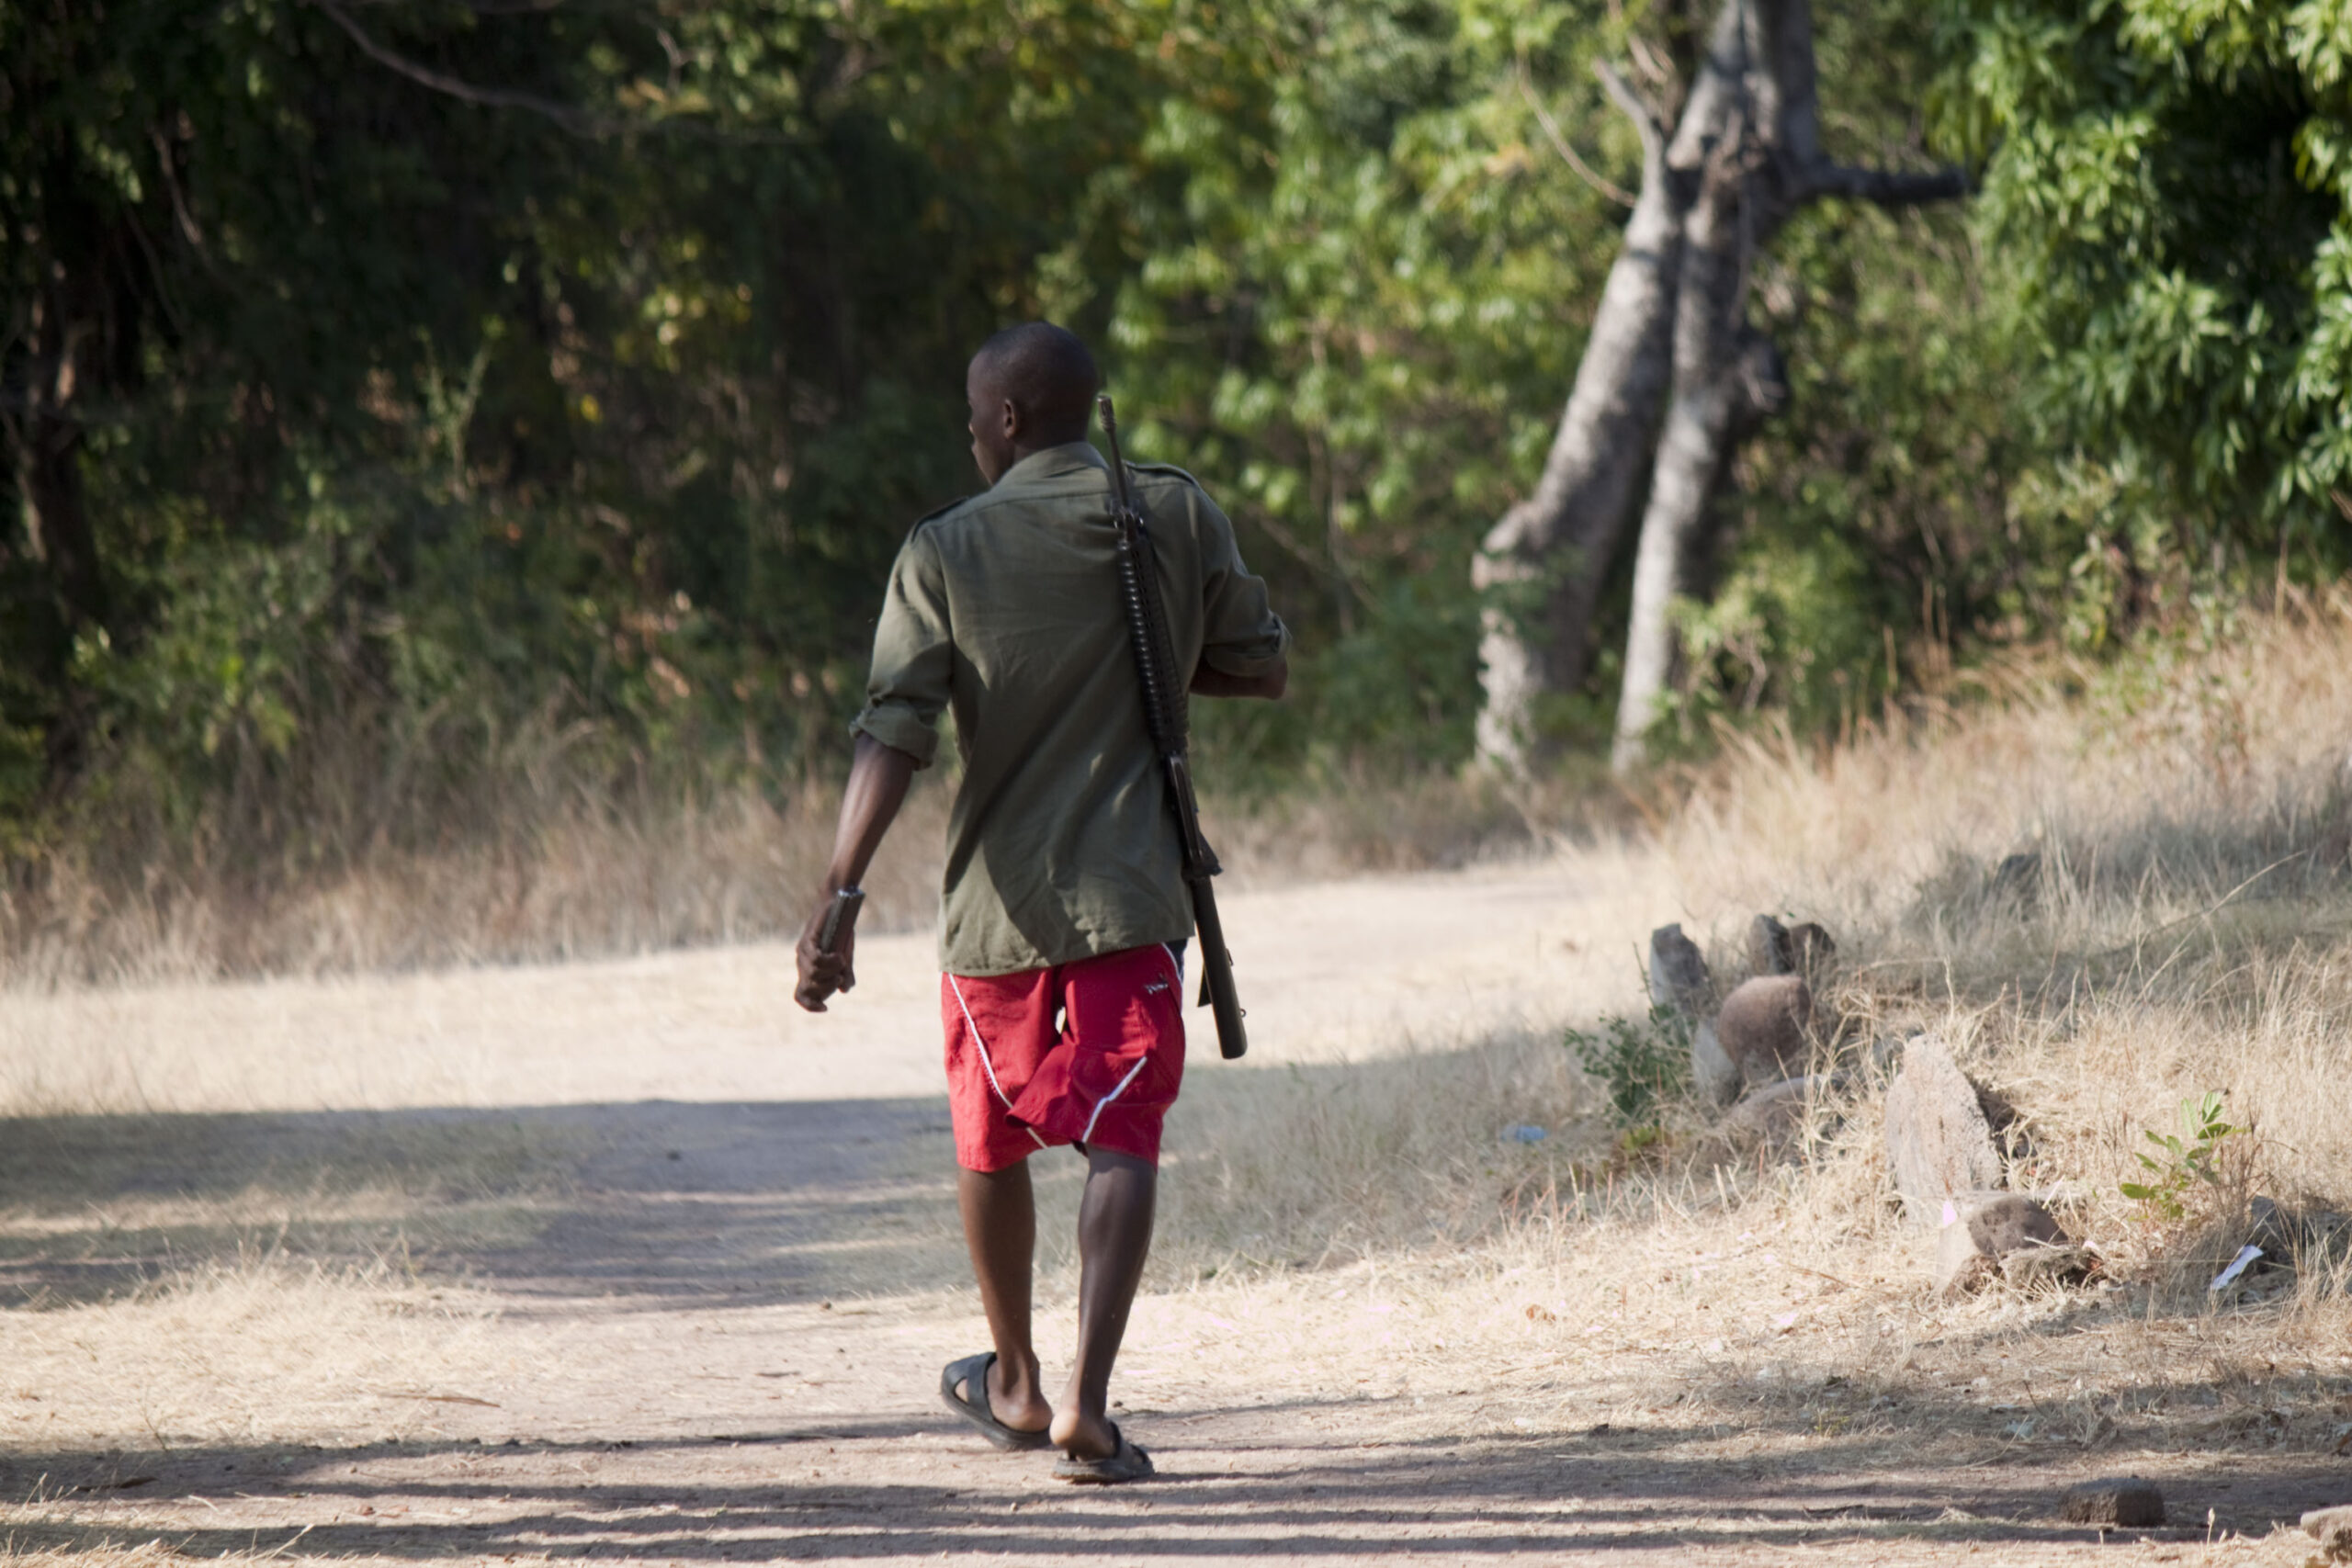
1170,470
934,515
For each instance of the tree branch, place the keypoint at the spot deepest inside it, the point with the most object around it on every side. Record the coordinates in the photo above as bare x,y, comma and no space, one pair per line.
1882,188
1608,188
574,120
1631,104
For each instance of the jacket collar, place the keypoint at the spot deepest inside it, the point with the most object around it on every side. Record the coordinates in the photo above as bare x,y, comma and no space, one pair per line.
1054,462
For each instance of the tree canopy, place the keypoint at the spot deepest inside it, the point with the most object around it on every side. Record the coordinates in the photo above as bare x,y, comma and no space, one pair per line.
403,394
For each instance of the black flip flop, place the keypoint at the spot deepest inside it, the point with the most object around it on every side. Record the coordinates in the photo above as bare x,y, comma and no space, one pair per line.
1128,1462
972,1371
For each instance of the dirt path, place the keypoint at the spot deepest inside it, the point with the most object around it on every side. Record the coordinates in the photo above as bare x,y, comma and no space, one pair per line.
701,1301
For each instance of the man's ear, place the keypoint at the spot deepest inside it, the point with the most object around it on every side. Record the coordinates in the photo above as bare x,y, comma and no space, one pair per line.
1013,423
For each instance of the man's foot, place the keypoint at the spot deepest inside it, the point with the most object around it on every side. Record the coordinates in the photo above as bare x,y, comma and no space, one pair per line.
1081,1435
1126,1462
1011,1418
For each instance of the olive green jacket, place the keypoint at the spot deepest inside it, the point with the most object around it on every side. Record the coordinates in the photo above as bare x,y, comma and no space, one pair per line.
1004,608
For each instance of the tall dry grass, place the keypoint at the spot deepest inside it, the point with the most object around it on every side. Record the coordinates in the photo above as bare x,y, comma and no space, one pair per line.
544,872
2186,928
568,878
2187,924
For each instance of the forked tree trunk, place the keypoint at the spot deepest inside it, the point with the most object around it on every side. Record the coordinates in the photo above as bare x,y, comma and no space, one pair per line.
1744,157
1541,567
1765,168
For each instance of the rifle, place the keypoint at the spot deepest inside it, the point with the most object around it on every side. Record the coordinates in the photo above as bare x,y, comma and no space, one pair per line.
1164,715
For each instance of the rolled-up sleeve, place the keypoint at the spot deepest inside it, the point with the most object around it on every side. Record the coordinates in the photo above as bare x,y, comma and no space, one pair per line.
913,657
1240,634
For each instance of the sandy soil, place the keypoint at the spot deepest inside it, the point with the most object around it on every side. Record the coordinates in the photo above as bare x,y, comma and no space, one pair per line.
687,1273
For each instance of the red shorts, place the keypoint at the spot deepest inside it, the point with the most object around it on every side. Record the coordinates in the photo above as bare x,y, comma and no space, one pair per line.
1103,1073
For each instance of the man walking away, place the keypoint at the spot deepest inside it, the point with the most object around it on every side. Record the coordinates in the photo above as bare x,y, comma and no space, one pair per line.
1064,914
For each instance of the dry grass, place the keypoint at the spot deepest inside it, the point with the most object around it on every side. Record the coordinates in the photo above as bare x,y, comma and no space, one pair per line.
553,877
247,1351
568,881
2189,929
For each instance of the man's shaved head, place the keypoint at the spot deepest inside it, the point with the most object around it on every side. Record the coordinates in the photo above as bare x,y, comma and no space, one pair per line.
1030,387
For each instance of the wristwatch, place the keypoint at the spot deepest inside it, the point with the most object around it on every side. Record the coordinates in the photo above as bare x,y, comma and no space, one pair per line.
840,915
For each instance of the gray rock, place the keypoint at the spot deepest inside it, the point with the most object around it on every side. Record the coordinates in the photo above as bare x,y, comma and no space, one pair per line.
2019,877
2289,1236
1711,1069
1775,949
1983,1230
1765,1028
1812,946
1770,951
1679,977
2126,1501
2332,1528
1938,1142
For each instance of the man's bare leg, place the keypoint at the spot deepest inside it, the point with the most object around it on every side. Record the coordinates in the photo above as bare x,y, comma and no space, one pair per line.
1001,1228
1113,1238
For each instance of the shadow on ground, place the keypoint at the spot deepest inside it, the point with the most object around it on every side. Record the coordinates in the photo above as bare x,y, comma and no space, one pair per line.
664,1201
723,1499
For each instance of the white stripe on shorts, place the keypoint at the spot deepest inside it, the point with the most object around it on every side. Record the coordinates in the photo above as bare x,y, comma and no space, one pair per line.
1088,1136
988,1067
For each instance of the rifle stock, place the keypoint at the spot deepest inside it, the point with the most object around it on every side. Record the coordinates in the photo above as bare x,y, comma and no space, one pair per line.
1164,717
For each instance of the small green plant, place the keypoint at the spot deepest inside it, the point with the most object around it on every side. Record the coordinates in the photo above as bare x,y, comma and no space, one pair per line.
2183,1159
1642,1062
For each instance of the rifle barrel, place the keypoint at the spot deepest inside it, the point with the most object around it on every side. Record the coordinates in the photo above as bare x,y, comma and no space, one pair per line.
1164,716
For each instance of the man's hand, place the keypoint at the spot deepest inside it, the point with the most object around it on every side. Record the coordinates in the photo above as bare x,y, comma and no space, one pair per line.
878,776
822,973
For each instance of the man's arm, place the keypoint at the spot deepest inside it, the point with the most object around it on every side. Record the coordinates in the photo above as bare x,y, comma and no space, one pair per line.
878,776
1269,685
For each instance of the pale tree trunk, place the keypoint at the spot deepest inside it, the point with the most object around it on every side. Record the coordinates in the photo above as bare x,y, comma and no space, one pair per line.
1542,566
1551,552
1745,153
1763,164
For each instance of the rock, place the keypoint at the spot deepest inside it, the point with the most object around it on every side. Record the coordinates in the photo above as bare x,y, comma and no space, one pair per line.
1680,981
1938,1143
1765,1027
1980,1231
1814,950
1679,977
1770,951
2289,1236
1713,1070
2127,1501
2019,877
2332,1528
1776,949
1775,1111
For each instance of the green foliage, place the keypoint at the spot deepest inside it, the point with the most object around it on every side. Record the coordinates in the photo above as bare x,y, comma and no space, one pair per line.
2183,1160
604,415
1644,1062
2164,199
396,420
1350,290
